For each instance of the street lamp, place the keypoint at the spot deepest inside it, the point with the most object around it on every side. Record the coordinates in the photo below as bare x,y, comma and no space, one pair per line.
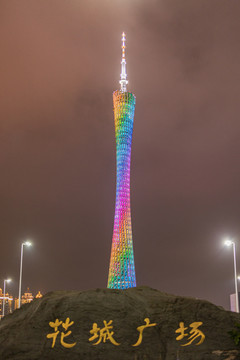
26,243
4,295
229,242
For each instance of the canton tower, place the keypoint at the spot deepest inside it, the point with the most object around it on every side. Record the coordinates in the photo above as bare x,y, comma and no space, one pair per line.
122,269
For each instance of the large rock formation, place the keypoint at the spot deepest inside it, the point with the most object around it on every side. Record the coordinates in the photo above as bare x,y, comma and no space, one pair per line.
107,323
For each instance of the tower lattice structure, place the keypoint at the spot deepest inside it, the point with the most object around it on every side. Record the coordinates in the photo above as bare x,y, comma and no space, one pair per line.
122,268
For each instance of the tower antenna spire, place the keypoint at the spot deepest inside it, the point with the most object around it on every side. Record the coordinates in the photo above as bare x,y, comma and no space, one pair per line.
123,82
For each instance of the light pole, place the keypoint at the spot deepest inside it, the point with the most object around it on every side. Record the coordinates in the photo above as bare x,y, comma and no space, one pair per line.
229,242
4,295
26,243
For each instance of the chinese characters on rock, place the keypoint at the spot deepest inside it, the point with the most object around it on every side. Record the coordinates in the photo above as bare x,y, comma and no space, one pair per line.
54,335
101,335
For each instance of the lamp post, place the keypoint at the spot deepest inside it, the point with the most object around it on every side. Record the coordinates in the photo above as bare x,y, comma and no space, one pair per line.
4,295
229,242
26,243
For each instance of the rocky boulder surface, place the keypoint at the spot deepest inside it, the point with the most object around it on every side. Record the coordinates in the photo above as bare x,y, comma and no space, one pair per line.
133,324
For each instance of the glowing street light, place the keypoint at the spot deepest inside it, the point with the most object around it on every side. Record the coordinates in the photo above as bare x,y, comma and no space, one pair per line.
4,295
26,243
229,242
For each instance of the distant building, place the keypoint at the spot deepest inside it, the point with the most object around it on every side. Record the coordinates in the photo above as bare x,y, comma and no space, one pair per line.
27,297
39,295
233,302
8,303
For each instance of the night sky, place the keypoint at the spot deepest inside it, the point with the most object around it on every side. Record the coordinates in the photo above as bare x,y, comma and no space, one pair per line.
60,63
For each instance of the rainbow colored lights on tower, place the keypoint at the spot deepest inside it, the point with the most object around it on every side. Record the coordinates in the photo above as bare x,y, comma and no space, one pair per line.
122,269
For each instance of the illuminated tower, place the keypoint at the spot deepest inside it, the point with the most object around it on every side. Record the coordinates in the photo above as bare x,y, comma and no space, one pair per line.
122,269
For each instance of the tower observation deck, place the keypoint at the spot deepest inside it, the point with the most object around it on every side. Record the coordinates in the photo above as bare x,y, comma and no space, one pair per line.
122,269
